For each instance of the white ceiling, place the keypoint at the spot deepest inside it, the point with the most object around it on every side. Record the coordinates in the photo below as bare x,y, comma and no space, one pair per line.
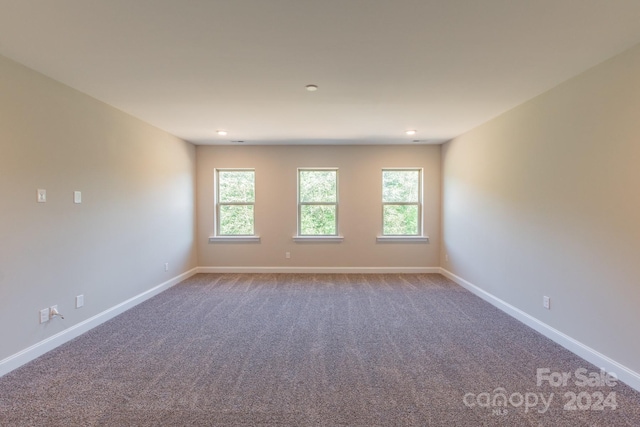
191,67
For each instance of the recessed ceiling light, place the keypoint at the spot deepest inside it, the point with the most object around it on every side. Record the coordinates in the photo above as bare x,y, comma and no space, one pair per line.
222,132
411,132
311,88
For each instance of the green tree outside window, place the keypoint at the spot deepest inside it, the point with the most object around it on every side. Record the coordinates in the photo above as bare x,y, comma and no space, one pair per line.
401,202
236,196
317,202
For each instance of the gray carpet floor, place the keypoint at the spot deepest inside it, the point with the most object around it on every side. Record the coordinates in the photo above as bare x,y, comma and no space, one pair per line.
310,350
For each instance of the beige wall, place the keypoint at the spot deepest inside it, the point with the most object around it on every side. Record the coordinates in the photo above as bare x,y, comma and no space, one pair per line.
137,184
544,200
360,208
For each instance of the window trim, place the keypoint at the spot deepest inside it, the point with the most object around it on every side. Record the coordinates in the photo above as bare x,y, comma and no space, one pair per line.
402,239
231,238
337,237
318,239
419,236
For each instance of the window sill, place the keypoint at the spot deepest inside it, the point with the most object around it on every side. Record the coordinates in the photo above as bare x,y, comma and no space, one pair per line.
318,239
402,239
234,239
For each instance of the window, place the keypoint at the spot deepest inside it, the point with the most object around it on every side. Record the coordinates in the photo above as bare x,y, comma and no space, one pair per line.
235,201
317,202
401,202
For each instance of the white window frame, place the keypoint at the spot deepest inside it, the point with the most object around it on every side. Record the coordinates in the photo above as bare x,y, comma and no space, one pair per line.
321,237
419,237
217,236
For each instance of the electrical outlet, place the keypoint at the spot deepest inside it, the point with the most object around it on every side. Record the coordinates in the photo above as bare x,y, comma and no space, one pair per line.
546,302
42,195
79,301
446,257
166,266
44,315
287,255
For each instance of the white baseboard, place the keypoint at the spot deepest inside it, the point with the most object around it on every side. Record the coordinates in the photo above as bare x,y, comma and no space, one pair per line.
624,374
16,360
321,270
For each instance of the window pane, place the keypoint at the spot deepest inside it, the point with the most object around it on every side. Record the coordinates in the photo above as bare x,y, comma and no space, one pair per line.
236,186
400,186
400,220
236,220
317,220
318,186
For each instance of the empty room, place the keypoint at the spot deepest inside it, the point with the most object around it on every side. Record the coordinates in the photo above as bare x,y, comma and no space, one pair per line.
327,213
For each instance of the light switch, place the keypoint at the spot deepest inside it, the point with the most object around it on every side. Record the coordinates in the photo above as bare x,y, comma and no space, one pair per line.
77,197
44,315
42,195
